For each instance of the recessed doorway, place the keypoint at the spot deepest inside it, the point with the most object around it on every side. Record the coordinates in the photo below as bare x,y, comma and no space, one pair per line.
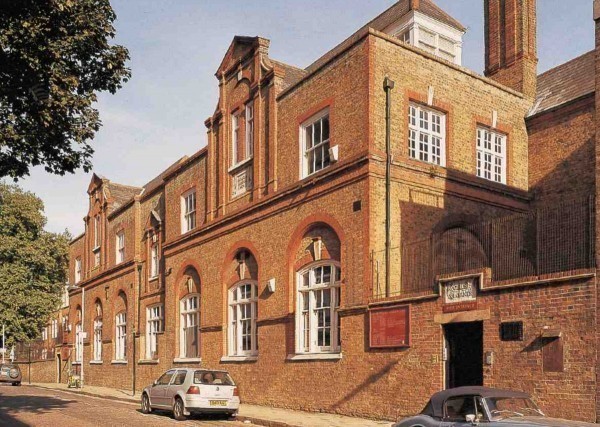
463,348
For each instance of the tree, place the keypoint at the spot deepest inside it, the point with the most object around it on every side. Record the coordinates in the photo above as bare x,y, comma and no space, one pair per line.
33,264
55,58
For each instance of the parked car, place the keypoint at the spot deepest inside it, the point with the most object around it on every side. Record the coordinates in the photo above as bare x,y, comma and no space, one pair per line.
190,390
10,373
469,406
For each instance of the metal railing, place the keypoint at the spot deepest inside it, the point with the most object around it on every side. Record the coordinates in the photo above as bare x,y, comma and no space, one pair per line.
546,240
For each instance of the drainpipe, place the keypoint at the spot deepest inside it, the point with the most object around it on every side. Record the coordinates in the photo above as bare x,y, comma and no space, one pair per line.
388,85
136,326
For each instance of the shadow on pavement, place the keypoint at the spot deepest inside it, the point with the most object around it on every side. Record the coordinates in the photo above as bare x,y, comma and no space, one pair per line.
11,405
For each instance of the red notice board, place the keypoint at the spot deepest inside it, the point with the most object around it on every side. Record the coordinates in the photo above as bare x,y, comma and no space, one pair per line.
389,327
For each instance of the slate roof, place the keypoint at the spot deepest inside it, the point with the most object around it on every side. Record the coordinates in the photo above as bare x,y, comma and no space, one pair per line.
121,194
565,83
292,74
385,19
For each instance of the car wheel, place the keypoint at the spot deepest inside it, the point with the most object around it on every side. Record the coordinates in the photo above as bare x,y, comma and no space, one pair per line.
16,384
145,404
178,410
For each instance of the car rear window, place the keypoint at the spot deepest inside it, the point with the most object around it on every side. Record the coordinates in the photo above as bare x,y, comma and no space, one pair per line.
212,378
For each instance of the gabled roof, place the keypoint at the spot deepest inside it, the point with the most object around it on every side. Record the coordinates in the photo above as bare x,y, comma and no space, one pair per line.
565,83
387,18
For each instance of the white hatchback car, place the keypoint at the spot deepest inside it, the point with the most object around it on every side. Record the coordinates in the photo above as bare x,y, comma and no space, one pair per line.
191,390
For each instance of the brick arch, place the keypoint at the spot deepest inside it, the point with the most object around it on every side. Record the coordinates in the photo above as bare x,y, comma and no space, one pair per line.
230,256
121,302
456,220
301,230
97,302
186,267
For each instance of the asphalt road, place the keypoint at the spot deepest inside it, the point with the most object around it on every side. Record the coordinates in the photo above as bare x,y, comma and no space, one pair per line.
32,406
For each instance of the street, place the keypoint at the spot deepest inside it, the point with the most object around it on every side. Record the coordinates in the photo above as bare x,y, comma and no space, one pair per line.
32,406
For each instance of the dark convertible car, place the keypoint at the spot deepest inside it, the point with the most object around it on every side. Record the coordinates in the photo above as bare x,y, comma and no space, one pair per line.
469,406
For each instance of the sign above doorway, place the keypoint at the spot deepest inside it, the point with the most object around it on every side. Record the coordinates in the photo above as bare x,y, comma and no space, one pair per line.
460,294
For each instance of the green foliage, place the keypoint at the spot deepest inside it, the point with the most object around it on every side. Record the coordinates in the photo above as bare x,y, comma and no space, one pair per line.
55,57
33,264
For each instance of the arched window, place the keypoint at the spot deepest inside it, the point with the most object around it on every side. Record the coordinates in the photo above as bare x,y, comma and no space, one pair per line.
317,319
98,333
190,320
78,337
121,336
243,299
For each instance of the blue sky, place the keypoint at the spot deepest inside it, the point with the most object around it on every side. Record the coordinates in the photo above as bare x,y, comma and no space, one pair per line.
177,45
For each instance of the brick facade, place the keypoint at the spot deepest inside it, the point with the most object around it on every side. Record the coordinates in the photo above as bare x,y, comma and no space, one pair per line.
258,219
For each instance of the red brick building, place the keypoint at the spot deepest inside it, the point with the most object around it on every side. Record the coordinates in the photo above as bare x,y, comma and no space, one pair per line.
265,252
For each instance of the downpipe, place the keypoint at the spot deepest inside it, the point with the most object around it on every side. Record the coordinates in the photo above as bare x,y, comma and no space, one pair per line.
388,85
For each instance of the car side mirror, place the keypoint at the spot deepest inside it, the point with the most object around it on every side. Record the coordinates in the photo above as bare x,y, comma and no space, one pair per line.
154,383
471,418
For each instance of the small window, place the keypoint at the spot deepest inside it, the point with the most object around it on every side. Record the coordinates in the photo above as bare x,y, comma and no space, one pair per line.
77,270
491,155
243,307
315,144
188,205
96,231
249,130
427,135
120,247
154,261
97,258
511,331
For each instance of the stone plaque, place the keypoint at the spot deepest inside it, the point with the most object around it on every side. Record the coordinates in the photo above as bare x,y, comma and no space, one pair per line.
460,295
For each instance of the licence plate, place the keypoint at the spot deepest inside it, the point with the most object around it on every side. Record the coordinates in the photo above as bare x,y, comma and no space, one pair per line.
218,403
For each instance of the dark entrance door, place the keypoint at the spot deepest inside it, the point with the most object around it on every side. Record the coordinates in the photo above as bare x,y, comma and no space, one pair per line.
464,354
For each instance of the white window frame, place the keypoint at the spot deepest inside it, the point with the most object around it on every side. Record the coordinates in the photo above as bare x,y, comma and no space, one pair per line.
189,317
97,356
427,134
154,325
491,155
54,329
78,270
242,312
308,160
307,327
45,333
120,245
96,232
78,342
121,336
188,211
235,135
249,130
153,261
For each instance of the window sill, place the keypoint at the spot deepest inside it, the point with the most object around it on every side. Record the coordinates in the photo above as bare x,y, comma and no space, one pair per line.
153,279
187,360
76,363
240,164
238,359
118,362
96,362
148,362
314,356
96,249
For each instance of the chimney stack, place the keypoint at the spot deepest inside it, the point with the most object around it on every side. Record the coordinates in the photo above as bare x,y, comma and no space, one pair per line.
511,44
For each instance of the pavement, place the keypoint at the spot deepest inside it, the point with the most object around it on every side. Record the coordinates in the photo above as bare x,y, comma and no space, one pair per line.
250,414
